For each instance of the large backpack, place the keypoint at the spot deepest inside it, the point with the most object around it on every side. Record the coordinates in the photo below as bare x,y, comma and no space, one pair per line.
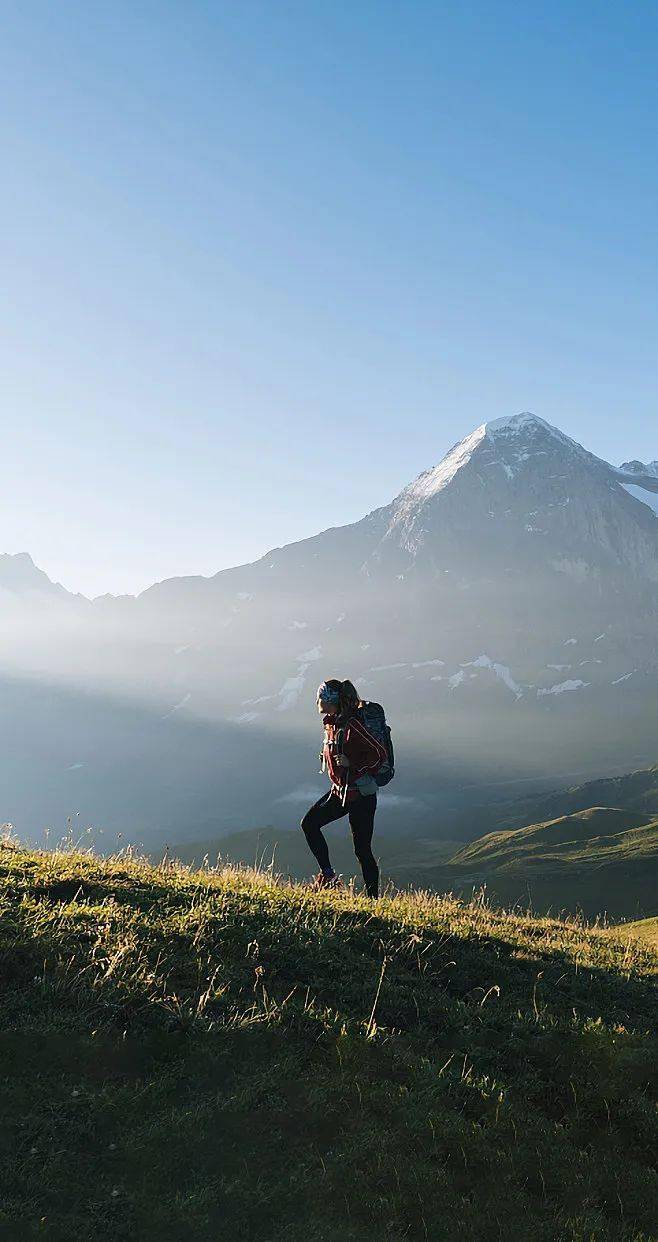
372,715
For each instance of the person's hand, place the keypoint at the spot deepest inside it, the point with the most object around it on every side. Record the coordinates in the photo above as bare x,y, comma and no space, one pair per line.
343,761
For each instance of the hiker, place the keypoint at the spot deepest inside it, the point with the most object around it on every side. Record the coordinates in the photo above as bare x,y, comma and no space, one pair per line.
351,755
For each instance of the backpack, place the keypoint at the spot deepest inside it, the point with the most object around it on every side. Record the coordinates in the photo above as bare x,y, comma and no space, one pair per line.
372,715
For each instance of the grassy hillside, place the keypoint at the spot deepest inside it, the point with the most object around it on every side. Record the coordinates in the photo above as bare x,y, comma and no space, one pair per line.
602,860
600,834
220,1056
287,853
645,930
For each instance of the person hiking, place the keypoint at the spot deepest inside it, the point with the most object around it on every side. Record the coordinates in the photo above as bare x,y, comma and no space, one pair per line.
351,755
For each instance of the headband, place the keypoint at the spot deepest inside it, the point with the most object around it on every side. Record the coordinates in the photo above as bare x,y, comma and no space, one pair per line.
327,695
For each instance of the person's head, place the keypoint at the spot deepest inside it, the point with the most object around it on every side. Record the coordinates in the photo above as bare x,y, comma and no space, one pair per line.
328,697
337,698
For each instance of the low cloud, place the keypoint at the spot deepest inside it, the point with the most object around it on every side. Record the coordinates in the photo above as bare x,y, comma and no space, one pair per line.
303,793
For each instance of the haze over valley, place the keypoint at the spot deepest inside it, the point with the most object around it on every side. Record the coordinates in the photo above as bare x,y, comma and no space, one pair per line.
503,607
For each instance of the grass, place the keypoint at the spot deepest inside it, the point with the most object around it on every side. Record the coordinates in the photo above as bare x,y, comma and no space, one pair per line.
645,929
595,837
223,1056
286,852
602,860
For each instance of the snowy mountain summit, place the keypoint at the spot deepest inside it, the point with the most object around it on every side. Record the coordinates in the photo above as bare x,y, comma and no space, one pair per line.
519,491
504,442
514,436
525,422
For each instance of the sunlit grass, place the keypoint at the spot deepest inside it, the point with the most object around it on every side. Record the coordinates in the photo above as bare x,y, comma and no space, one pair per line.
223,1055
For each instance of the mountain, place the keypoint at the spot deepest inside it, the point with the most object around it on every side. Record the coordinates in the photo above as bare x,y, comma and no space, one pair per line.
503,607
647,470
640,480
20,578
634,791
34,613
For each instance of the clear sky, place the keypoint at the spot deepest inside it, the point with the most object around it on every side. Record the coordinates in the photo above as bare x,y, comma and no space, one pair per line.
262,263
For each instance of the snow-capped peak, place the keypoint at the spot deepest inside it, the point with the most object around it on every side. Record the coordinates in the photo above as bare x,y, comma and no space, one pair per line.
437,477
498,433
528,426
517,422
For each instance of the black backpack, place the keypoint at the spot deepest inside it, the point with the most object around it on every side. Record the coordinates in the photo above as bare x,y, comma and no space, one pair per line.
373,716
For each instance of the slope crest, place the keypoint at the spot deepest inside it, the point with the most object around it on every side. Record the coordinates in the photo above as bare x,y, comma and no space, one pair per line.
598,833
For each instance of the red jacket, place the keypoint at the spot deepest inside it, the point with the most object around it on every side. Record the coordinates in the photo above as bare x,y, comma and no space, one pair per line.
365,753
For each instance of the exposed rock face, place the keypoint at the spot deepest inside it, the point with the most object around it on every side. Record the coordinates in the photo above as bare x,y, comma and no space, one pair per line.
648,470
517,493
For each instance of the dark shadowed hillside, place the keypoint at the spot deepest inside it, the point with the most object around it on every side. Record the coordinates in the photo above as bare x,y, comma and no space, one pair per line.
205,1056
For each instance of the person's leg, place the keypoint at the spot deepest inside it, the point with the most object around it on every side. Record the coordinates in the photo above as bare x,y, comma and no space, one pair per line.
326,809
362,822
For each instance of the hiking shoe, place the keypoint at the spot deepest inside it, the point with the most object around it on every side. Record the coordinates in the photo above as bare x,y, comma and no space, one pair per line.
325,881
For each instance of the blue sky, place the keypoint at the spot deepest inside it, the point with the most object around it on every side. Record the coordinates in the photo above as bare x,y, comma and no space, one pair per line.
265,262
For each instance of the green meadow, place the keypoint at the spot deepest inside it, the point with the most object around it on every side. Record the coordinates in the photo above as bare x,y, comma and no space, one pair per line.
221,1054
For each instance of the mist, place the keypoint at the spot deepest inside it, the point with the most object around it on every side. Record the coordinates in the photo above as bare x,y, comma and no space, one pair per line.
507,659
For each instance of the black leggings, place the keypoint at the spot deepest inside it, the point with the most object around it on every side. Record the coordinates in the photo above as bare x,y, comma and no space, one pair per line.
362,818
